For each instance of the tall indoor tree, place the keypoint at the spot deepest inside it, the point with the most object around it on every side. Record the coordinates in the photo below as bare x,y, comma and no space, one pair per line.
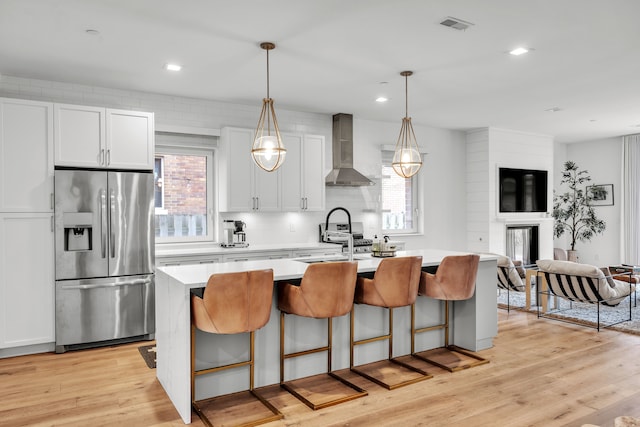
572,210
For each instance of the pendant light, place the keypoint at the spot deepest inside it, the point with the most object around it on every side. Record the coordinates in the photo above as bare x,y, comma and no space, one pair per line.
267,150
406,157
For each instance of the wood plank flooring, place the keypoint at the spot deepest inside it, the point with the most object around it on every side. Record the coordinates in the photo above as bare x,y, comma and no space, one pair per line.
542,373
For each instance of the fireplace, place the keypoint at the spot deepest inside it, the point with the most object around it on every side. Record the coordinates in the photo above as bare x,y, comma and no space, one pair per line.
522,243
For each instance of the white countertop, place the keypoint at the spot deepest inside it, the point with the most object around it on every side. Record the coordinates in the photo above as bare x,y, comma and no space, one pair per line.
215,249
195,276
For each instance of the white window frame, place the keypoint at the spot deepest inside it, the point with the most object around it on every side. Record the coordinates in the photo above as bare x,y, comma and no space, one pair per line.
416,199
160,210
196,150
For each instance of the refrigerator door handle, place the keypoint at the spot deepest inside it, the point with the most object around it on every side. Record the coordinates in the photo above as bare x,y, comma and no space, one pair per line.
106,285
112,213
103,223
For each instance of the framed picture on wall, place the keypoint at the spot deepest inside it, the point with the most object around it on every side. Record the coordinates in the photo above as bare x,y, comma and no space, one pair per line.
601,195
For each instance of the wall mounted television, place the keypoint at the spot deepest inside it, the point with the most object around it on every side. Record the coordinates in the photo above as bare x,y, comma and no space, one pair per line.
522,190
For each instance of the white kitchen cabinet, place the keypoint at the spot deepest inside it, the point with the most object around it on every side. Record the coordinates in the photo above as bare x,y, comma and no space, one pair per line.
253,256
303,173
27,291
307,253
312,177
188,260
26,156
243,186
103,138
130,139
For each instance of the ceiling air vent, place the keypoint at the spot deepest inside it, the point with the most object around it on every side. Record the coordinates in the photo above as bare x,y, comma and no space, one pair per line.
455,23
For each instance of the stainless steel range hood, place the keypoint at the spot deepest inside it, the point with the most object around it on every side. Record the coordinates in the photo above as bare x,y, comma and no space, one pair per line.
343,174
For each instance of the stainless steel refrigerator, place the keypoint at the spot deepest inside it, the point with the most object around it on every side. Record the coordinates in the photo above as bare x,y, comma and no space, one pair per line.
104,233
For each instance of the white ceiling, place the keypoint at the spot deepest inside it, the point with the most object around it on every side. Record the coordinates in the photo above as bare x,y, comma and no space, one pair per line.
332,56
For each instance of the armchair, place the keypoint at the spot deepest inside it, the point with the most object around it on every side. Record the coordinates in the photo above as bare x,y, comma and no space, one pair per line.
582,283
510,278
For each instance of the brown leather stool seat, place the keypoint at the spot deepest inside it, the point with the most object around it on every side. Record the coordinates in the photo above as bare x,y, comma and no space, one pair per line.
394,284
326,291
454,280
232,303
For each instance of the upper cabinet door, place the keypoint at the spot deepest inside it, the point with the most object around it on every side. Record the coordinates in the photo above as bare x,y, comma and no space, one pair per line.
26,156
79,136
313,173
130,140
235,171
291,170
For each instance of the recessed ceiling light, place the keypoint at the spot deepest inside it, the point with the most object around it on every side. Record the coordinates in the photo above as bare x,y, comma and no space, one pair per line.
553,109
382,99
519,51
92,32
173,67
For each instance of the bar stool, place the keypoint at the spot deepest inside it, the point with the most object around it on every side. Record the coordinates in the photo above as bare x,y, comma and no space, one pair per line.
325,292
454,280
232,303
394,284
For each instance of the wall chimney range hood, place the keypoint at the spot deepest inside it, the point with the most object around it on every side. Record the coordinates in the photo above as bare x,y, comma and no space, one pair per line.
343,174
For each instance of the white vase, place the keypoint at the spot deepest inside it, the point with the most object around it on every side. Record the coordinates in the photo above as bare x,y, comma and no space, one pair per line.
572,255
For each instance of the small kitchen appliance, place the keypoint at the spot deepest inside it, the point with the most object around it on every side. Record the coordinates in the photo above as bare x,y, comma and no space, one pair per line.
240,236
233,235
228,229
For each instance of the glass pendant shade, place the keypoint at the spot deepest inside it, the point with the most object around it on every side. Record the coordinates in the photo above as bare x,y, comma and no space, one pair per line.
407,160
268,151
406,157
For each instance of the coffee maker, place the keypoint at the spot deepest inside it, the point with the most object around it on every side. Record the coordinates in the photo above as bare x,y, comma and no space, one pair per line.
240,236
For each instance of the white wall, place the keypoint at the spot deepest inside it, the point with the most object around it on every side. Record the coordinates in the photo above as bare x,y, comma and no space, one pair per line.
487,150
603,160
443,181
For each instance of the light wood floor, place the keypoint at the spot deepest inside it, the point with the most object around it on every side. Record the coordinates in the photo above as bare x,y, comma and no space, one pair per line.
542,373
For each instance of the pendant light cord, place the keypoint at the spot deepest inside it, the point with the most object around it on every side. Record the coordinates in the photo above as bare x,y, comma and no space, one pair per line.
267,73
406,96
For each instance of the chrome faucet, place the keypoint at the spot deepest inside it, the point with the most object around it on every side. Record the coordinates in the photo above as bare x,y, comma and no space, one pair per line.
327,233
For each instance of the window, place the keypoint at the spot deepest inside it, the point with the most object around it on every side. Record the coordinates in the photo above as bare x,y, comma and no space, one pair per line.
183,177
399,199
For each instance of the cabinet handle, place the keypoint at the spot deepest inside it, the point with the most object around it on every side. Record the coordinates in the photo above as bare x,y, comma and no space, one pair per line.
306,204
108,157
257,203
53,227
241,259
102,156
53,202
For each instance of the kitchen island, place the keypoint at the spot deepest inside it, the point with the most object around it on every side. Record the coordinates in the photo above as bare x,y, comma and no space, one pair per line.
474,325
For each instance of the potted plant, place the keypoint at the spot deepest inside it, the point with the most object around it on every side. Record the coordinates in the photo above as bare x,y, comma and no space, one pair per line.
572,209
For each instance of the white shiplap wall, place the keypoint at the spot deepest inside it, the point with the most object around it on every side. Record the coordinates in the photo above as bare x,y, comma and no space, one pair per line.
487,150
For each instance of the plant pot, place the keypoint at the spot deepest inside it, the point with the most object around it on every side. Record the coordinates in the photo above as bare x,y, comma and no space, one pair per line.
572,255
